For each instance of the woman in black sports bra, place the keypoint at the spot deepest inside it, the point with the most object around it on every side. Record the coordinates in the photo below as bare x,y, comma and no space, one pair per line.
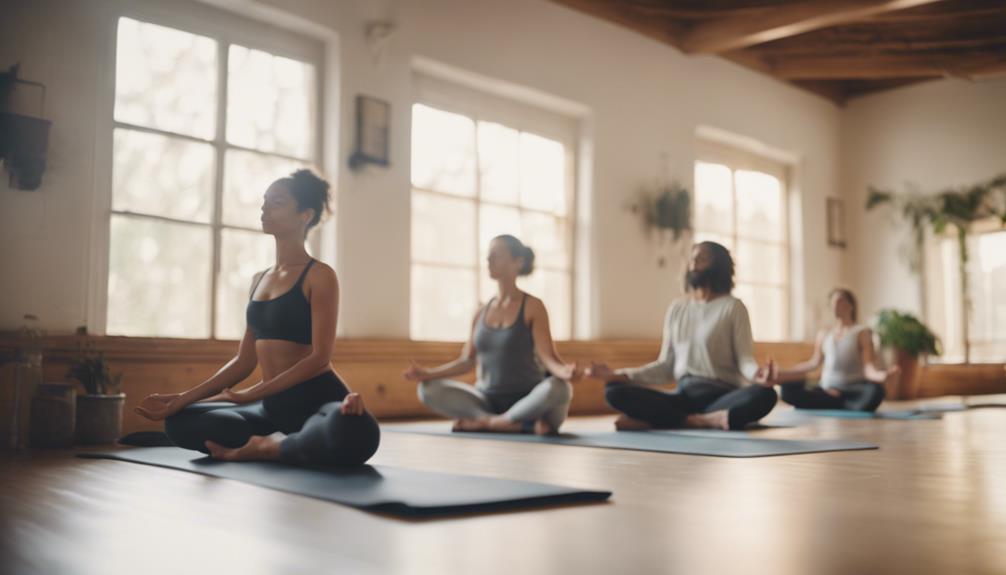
301,412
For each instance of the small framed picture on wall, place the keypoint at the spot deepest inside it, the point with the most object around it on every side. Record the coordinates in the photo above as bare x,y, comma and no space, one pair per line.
836,223
373,120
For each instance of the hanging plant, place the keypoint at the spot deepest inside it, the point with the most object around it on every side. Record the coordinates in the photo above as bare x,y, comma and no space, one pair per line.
665,208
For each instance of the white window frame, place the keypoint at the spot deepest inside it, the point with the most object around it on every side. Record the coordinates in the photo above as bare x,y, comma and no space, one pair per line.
484,106
225,29
941,290
735,159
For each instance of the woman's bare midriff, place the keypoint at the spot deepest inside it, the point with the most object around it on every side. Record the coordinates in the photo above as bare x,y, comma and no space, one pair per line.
276,356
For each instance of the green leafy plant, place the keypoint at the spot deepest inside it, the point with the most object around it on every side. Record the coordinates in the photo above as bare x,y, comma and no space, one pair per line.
958,207
904,331
665,207
91,370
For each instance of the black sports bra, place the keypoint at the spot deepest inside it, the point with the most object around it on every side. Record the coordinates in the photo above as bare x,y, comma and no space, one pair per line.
287,317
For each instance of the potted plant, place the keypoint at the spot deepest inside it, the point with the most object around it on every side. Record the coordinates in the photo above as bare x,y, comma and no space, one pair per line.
909,339
99,409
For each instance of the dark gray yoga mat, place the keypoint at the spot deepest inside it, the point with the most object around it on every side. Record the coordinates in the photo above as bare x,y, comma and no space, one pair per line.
688,442
376,488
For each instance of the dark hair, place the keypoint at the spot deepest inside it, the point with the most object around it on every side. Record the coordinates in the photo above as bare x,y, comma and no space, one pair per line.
849,297
310,191
719,275
519,250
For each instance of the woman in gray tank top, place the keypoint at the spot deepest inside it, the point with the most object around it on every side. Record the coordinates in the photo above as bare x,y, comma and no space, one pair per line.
849,380
510,347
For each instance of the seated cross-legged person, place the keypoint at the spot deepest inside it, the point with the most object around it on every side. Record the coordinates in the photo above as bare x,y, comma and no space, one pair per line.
850,379
510,343
301,412
706,348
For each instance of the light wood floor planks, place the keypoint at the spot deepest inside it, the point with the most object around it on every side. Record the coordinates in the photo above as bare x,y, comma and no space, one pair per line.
931,500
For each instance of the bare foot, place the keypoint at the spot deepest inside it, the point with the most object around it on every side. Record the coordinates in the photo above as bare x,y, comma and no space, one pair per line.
543,428
501,424
715,420
626,423
471,424
258,448
352,404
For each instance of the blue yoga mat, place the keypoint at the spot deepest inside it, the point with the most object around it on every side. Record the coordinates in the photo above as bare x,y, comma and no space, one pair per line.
848,414
689,442
377,488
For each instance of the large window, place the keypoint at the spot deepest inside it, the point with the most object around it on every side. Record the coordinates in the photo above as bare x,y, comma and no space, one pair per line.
740,202
202,126
474,178
986,274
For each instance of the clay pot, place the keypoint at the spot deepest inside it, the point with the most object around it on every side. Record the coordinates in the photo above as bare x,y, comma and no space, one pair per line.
906,385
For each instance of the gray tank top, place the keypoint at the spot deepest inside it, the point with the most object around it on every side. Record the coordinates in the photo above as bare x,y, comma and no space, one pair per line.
843,363
506,359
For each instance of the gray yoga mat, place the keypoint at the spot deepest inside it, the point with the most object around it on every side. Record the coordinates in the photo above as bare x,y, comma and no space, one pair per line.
688,442
377,488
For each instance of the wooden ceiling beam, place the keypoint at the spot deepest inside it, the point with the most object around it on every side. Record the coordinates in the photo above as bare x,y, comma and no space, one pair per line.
888,67
774,23
866,48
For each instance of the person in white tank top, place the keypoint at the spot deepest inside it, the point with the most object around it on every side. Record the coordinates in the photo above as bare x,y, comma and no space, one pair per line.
850,378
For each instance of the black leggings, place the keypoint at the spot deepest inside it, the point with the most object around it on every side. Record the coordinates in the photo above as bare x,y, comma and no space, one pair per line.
664,410
862,396
308,413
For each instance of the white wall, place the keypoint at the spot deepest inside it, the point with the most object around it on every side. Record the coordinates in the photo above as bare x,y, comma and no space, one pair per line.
934,135
44,234
645,100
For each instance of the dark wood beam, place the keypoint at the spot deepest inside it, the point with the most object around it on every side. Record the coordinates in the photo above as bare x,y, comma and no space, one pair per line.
846,45
774,23
889,66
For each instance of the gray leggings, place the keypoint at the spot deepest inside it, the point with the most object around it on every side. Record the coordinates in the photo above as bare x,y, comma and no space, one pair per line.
548,401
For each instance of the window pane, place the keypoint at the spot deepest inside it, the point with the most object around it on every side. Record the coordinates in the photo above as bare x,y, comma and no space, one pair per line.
498,168
443,229
987,275
242,255
759,206
547,236
713,198
553,287
159,278
767,308
760,261
162,176
443,301
952,336
542,173
165,79
443,151
246,177
269,102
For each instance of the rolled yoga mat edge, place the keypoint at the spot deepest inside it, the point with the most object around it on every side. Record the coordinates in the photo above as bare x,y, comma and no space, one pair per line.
379,489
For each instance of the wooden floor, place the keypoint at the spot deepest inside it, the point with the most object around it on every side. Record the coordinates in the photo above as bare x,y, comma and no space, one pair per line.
931,500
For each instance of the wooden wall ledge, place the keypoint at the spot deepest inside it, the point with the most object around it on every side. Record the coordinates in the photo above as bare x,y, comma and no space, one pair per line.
373,367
